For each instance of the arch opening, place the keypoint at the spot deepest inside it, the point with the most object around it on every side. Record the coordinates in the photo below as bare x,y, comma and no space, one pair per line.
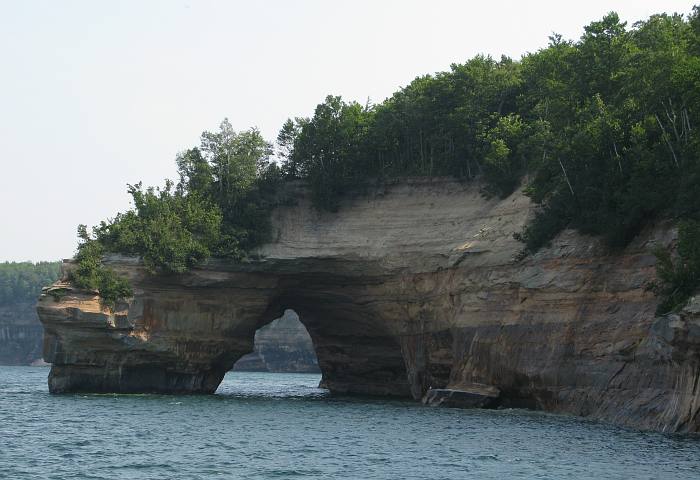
357,353
283,345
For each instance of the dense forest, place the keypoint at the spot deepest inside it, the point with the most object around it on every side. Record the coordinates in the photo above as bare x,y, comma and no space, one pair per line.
601,133
22,282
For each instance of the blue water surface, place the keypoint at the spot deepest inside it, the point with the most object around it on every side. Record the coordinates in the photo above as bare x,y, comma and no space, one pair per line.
280,426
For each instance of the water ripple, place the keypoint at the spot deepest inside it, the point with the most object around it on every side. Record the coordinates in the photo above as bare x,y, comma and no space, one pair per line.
262,426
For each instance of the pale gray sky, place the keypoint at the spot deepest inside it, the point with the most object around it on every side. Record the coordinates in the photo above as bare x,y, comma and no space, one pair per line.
98,94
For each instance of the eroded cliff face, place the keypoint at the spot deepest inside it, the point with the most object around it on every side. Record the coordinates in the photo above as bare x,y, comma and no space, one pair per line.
414,286
20,334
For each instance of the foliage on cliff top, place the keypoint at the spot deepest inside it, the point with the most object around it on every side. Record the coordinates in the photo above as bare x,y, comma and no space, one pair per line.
219,207
90,273
604,129
21,282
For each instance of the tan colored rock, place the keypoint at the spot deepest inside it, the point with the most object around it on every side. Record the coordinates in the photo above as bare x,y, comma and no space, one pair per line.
413,286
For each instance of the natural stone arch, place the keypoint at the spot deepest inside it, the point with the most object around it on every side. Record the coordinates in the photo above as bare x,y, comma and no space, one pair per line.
182,334
356,351
427,272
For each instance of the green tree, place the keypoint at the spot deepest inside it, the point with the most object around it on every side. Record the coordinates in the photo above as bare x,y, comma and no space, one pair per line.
328,149
679,278
288,134
172,232
195,172
604,129
235,159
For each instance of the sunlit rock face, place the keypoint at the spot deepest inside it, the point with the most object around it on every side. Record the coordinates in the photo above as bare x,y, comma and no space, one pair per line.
411,286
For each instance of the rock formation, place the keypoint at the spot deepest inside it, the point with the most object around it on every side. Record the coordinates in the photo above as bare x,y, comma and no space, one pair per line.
413,286
282,345
20,334
473,395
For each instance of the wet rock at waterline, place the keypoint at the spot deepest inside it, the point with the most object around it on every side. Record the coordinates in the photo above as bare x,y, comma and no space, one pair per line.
467,396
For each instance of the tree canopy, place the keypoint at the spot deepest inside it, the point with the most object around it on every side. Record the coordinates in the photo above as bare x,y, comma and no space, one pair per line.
600,132
602,129
219,207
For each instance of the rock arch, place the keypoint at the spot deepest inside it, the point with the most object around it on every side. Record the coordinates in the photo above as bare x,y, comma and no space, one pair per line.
181,335
411,286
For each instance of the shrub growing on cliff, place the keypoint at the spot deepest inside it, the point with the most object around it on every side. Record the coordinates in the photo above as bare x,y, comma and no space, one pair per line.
679,278
90,273
220,207
171,232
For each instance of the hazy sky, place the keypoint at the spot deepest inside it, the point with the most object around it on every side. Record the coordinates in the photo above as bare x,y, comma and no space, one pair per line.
98,94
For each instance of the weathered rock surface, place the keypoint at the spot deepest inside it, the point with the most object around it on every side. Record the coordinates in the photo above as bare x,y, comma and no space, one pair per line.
413,286
20,334
282,345
466,396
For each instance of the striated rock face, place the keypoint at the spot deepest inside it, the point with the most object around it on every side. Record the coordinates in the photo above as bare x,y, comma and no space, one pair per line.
20,334
282,345
411,287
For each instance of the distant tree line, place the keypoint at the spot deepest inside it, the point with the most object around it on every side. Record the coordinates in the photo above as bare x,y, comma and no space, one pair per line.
602,133
21,282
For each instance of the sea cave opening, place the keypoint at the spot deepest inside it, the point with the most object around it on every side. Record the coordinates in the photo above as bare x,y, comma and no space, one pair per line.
283,363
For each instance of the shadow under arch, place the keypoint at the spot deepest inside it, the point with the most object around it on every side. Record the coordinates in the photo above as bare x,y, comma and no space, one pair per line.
356,353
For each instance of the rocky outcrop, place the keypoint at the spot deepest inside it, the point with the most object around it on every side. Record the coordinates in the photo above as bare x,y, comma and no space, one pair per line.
467,396
20,334
282,346
413,286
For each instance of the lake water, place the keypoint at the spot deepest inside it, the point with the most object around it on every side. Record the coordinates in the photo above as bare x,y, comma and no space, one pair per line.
280,426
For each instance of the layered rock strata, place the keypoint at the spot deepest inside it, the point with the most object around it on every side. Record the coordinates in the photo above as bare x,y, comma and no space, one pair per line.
20,334
413,286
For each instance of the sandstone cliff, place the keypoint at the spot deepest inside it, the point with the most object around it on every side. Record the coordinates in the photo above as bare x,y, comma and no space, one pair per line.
283,345
414,286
